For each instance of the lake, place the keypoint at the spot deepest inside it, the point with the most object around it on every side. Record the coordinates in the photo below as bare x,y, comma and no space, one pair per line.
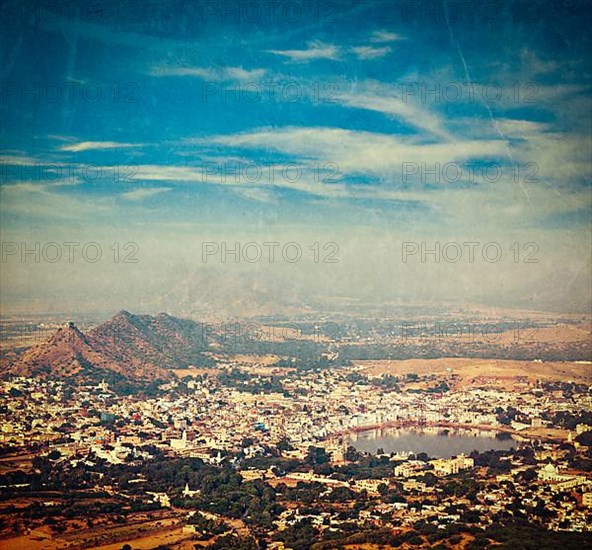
436,442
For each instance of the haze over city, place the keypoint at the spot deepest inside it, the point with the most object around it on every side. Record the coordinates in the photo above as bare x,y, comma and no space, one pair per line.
364,124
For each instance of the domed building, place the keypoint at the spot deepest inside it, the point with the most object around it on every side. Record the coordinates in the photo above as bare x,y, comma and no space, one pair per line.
549,473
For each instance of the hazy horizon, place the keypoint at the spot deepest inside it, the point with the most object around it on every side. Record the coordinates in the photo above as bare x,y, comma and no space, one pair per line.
146,139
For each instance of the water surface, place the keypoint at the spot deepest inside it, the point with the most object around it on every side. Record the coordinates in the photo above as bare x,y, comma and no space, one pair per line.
436,442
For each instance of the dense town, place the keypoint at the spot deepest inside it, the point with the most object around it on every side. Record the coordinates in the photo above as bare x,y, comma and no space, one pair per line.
290,435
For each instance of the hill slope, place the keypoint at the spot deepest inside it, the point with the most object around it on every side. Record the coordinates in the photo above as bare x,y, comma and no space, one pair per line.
137,348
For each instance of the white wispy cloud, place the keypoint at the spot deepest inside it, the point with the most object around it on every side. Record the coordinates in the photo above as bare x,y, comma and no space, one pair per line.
392,106
47,170
42,201
16,158
358,151
57,137
385,36
23,187
144,193
315,50
537,66
388,100
542,154
157,172
211,73
247,177
97,145
560,158
368,52
520,128
256,194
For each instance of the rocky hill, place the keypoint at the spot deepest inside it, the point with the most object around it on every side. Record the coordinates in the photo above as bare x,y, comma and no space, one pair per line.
138,348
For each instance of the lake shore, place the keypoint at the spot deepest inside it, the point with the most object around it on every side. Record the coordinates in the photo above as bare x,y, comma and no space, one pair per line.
529,434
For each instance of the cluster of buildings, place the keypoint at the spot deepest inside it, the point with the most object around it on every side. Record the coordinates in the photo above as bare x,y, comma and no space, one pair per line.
203,418
313,407
438,466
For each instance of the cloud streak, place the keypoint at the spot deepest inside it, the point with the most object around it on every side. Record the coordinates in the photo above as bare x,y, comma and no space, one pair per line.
379,37
144,193
368,52
97,145
219,74
315,50
359,151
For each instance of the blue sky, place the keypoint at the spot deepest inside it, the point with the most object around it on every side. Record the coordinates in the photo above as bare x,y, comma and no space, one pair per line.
352,107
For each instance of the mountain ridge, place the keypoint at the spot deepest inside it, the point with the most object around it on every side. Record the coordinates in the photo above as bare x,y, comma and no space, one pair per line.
136,348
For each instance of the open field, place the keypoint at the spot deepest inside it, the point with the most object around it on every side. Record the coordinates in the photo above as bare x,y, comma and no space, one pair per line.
262,360
528,332
474,371
142,535
559,334
153,540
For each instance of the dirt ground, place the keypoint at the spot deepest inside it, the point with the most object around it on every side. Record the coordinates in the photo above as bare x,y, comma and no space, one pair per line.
141,535
473,371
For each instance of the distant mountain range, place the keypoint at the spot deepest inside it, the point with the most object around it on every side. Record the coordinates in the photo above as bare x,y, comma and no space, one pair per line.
218,294
136,348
